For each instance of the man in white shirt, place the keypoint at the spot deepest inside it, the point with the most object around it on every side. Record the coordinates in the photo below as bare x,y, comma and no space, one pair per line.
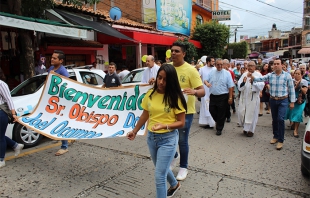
123,73
149,74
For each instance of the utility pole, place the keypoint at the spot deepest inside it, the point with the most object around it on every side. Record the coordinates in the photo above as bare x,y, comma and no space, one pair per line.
236,29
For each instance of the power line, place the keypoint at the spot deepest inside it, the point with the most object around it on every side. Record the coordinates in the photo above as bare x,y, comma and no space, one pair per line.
278,7
255,12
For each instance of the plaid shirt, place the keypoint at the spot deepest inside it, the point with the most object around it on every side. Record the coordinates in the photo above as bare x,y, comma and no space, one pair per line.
280,85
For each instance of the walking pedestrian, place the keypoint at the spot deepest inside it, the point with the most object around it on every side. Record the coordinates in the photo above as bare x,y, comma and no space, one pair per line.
205,117
221,88
6,104
249,101
164,106
191,84
295,114
149,74
281,90
57,60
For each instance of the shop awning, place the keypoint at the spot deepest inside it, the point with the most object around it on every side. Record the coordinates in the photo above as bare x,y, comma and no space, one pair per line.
42,25
146,38
304,50
102,27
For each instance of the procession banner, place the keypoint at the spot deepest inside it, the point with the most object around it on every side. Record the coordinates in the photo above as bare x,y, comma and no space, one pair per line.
68,109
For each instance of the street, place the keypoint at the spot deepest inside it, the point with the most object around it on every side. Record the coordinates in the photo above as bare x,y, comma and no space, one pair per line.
230,165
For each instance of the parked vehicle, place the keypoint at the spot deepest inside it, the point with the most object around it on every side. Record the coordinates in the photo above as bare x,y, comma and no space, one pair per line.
26,96
134,77
305,152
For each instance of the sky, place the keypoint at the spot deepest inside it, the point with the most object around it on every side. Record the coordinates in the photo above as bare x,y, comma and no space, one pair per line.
257,17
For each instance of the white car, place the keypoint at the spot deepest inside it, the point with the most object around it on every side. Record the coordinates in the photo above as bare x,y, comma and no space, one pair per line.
26,96
305,152
134,77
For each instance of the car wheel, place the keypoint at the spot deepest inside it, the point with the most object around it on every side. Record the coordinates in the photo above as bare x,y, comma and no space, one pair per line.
26,136
304,171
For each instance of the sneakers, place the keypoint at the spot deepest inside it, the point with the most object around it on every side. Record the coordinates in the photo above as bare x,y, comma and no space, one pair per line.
2,163
18,149
182,174
279,145
273,141
174,162
171,191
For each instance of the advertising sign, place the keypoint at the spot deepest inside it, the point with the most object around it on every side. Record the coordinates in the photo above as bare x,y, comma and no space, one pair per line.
221,15
174,16
149,11
71,110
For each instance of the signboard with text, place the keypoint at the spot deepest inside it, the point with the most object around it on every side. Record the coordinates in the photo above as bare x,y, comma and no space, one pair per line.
221,15
71,110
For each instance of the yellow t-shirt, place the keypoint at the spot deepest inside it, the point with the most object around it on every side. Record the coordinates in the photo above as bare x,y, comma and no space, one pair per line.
158,111
189,78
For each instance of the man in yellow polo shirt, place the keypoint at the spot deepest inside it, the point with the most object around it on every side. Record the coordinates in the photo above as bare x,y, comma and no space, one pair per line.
191,84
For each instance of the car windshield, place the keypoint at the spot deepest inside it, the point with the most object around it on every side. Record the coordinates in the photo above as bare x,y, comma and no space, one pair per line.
29,86
133,77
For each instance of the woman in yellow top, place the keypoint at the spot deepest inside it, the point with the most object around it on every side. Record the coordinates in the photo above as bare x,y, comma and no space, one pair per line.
164,106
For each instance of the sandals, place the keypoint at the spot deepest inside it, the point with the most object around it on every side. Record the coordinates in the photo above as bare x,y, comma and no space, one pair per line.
61,152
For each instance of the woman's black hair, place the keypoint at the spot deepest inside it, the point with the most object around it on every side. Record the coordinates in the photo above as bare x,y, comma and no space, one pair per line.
173,89
268,69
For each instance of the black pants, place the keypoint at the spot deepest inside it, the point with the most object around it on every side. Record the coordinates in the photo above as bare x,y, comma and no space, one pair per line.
218,108
228,113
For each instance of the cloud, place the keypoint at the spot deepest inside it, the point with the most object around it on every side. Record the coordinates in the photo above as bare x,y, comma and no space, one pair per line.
270,1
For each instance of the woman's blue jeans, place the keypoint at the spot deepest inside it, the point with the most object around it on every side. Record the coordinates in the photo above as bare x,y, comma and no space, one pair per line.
4,141
162,147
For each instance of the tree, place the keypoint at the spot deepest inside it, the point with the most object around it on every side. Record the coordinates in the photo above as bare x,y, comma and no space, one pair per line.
35,9
240,50
190,49
213,37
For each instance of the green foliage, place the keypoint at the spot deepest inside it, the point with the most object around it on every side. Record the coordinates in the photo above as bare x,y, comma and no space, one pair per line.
240,50
79,3
213,37
35,8
190,50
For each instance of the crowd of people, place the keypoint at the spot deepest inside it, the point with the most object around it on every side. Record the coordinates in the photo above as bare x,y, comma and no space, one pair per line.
222,86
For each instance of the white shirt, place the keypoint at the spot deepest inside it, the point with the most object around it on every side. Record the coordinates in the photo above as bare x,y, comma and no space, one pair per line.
149,73
123,73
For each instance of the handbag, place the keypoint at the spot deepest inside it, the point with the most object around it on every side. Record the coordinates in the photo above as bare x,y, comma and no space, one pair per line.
6,109
301,98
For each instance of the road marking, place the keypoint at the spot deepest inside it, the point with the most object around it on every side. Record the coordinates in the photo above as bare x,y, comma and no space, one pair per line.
33,151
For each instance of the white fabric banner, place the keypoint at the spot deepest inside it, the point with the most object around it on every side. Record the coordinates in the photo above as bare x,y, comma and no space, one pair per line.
42,27
71,110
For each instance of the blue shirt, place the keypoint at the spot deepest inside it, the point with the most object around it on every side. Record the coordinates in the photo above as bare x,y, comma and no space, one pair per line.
280,85
220,81
61,70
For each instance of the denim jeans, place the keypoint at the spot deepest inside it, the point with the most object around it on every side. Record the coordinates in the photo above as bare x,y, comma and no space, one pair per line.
183,141
278,112
162,146
64,144
4,141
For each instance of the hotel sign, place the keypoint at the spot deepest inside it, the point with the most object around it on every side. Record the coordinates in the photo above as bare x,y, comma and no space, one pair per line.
221,15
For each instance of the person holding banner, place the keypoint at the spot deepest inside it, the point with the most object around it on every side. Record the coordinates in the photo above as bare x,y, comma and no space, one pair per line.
57,60
5,97
164,106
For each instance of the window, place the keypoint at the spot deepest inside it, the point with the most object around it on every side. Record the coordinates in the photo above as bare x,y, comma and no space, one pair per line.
90,78
199,20
308,38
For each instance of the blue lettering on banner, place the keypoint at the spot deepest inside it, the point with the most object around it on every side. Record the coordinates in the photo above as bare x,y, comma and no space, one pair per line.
62,131
131,121
38,123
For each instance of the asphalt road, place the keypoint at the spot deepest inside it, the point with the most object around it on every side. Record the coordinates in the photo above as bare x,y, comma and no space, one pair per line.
230,165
